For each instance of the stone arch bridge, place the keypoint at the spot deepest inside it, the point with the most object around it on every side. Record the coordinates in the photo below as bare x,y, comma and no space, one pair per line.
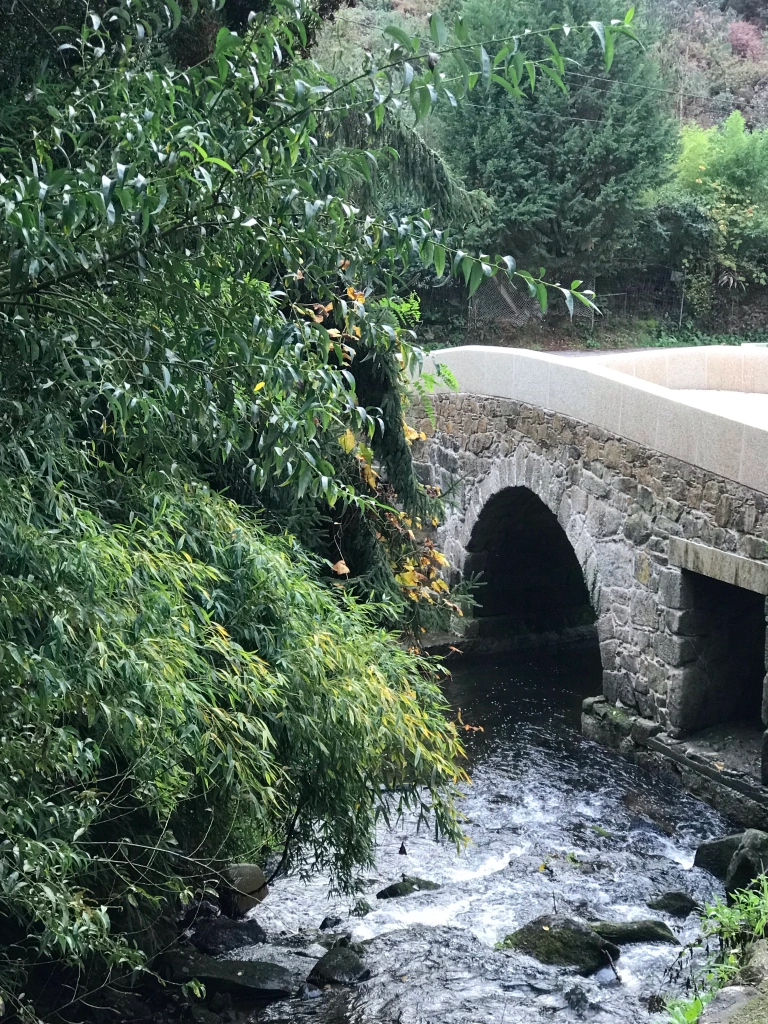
623,499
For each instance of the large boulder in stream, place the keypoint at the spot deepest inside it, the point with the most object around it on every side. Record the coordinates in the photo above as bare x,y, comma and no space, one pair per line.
677,904
408,885
625,932
556,939
253,979
243,887
714,855
340,966
222,935
749,860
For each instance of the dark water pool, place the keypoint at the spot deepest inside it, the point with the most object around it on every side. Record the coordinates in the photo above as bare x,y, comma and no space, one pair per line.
555,822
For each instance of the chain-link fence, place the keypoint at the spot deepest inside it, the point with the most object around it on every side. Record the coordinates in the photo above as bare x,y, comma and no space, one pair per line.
656,292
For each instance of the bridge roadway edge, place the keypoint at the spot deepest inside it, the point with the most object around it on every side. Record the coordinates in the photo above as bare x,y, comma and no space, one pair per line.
620,504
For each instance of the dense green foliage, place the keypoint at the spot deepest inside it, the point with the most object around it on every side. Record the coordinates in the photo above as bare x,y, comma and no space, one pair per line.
202,347
714,212
566,169
732,926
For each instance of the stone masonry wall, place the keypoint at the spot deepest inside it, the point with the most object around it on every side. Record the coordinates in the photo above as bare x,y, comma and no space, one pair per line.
619,504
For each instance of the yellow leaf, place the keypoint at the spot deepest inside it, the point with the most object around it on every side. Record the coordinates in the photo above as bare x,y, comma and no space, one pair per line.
259,386
355,295
409,578
440,558
341,568
369,475
410,433
347,441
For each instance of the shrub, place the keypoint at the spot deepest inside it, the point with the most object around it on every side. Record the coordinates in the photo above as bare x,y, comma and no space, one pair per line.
746,40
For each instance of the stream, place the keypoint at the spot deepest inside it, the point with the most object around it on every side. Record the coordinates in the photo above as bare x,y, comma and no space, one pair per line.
555,823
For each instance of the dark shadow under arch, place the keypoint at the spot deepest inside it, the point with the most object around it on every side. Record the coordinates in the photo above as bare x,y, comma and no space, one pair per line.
532,583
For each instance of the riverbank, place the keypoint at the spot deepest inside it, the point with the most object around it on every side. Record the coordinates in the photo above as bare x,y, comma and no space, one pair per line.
557,825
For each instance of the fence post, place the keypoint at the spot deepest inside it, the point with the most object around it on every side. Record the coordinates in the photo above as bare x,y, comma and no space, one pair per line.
682,301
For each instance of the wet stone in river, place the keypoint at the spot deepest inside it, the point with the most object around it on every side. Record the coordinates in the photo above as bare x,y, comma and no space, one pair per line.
556,939
561,839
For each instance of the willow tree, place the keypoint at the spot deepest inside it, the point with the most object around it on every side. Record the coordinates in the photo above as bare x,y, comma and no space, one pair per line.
185,292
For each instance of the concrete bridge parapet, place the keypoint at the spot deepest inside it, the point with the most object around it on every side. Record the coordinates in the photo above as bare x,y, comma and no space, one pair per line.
672,551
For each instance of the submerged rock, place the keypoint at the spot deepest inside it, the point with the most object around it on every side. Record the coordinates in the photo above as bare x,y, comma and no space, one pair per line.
714,855
556,939
256,979
678,904
222,934
625,932
749,860
329,923
340,966
408,885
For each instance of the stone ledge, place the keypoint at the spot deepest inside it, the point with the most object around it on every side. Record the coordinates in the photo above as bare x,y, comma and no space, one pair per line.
734,796
719,565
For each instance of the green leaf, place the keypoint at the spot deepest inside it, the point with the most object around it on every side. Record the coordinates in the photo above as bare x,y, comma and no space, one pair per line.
475,277
485,66
460,30
551,73
599,30
530,67
508,86
542,295
439,260
401,38
608,49
219,163
176,12
629,15
467,263
437,30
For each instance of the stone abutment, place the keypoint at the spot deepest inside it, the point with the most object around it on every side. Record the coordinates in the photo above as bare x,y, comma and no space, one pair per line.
581,532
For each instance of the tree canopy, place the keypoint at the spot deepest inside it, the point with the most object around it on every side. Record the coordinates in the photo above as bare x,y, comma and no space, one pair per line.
566,169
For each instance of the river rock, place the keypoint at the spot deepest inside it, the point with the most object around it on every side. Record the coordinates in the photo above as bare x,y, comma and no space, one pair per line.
678,904
255,979
556,939
754,1011
329,923
243,888
727,1004
408,885
755,969
625,932
714,855
749,860
339,966
222,934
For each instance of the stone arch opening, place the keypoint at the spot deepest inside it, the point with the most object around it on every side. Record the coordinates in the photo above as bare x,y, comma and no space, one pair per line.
532,587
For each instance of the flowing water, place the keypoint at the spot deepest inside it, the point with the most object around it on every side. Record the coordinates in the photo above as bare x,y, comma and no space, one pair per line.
555,822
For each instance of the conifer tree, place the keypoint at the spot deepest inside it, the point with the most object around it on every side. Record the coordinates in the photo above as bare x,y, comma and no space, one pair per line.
566,169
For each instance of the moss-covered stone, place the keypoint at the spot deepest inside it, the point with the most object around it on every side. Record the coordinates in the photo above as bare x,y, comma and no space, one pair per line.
556,939
625,932
409,884
678,904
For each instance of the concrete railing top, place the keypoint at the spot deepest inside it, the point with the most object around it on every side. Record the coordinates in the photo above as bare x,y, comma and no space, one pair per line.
706,406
